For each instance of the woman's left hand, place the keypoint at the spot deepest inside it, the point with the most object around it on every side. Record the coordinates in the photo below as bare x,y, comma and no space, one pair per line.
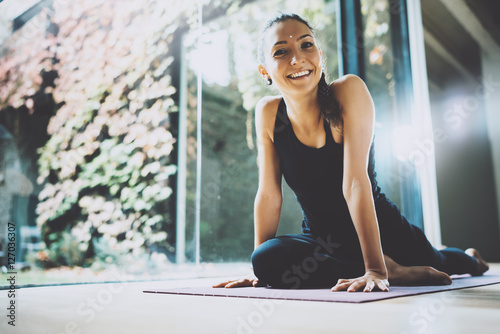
368,282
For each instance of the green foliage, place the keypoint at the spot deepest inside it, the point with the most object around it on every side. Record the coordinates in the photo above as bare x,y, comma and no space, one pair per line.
105,171
67,251
109,152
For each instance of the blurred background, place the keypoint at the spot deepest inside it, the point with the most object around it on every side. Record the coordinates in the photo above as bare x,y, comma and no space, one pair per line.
127,141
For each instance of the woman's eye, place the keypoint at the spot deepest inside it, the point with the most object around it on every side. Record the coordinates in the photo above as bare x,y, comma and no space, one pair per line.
279,52
307,45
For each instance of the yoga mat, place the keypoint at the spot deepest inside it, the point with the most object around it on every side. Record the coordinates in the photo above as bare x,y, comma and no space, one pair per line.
325,295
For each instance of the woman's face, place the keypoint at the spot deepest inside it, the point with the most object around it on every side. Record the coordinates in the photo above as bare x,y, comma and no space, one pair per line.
292,58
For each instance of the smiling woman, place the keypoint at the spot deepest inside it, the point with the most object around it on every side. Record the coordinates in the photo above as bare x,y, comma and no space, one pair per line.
307,64
298,44
353,238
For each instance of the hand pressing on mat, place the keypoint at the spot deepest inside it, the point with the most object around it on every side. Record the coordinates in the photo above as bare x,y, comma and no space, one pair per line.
368,282
246,281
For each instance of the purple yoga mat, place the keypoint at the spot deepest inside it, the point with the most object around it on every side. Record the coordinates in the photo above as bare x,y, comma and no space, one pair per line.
325,295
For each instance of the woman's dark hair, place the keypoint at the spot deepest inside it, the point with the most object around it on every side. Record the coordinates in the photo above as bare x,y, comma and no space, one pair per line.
329,106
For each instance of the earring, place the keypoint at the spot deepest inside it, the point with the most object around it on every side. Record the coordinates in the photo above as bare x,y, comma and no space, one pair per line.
269,81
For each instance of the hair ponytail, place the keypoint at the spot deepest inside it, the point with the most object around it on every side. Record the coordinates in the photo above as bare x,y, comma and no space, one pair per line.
328,104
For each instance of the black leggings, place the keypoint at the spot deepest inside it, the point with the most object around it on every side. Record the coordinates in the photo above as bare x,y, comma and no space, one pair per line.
302,261
308,261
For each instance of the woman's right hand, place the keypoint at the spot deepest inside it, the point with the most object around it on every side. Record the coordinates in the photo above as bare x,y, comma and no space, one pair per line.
246,281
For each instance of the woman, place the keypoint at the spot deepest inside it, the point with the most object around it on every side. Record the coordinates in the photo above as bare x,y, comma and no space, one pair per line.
319,137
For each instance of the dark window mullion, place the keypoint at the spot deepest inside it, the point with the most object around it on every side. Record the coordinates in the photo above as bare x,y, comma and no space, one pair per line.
351,42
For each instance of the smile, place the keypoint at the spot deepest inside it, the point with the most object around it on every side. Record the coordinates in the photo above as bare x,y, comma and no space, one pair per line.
299,74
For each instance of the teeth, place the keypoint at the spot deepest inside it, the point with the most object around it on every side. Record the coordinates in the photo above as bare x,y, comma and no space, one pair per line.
299,74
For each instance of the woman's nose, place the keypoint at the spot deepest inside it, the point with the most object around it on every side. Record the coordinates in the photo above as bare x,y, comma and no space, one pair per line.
296,57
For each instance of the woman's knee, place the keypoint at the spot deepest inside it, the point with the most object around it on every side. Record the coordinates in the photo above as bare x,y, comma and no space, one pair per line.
268,260
267,253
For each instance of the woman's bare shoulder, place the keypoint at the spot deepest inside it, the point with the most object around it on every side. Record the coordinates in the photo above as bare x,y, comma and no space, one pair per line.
353,97
268,103
265,116
266,109
348,85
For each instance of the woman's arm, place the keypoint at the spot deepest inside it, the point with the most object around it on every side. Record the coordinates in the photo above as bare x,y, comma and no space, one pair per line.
358,115
269,198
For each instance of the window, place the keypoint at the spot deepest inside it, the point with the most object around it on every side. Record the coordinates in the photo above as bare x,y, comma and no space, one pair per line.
98,130
389,78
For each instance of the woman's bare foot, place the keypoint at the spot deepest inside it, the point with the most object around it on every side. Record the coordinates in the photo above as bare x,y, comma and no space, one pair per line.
482,266
414,275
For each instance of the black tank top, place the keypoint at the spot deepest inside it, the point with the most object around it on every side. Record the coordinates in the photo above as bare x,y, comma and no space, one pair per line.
315,175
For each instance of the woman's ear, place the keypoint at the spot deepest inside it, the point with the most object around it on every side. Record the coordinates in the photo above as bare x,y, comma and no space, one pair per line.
263,71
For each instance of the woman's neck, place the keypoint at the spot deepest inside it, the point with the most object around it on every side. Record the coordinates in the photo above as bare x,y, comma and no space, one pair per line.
303,111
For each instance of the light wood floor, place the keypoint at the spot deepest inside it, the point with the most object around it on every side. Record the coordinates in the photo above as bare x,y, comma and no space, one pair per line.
124,308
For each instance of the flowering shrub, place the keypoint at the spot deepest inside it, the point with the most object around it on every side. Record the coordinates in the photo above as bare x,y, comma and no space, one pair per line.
110,144
106,167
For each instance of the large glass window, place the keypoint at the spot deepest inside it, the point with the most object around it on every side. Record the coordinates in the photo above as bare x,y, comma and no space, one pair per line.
127,135
86,139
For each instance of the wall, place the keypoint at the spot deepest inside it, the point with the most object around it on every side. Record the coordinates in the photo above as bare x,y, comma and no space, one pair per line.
463,115
491,80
